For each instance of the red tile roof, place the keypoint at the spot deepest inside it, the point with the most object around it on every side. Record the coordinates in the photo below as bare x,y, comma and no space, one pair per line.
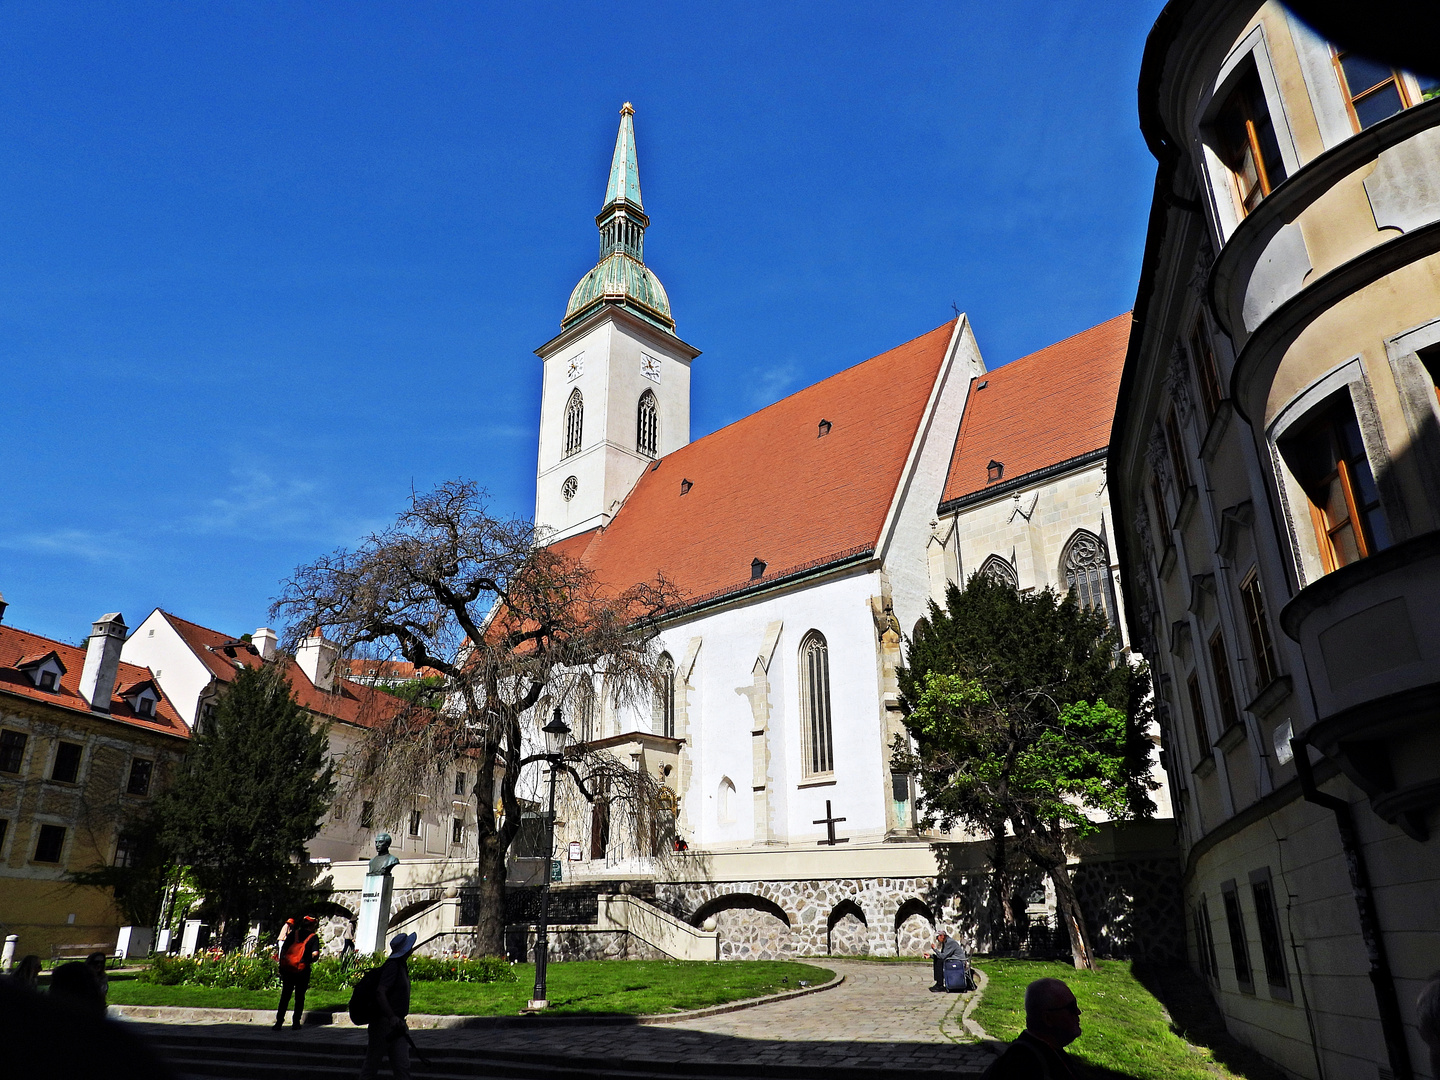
350,702
769,487
17,645
1040,410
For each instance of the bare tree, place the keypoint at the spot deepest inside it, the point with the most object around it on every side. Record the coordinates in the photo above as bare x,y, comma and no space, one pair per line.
517,628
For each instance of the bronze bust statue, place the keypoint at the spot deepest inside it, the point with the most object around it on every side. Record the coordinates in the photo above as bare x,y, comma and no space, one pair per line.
383,862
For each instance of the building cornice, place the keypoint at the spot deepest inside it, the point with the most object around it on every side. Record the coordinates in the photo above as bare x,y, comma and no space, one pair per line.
1035,476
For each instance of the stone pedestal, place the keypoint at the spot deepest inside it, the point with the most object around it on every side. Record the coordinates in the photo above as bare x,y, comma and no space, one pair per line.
372,937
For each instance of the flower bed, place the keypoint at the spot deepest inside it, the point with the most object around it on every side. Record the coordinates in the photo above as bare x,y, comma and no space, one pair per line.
245,971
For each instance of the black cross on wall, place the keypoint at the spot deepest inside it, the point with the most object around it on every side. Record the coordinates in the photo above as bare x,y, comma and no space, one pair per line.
829,821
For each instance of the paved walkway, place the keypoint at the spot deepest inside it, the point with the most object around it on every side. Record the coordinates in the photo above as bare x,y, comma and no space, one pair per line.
881,1016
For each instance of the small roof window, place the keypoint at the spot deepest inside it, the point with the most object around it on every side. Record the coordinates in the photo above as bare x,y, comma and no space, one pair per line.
685,486
994,471
825,427
757,569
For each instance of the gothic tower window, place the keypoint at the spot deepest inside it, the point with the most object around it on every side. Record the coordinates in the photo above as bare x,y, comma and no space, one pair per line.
574,422
815,704
998,569
665,698
647,425
1086,566
585,711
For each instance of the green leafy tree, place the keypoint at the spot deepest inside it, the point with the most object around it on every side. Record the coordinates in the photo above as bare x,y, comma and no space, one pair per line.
250,795
1027,726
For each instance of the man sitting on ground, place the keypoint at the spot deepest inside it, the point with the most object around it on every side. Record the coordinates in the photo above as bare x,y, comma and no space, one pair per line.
946,948
1052,1022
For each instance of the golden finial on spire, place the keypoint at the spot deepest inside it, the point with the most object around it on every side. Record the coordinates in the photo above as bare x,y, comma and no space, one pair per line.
627,109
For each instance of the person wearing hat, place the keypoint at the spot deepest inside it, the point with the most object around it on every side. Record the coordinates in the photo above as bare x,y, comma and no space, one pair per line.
386,1032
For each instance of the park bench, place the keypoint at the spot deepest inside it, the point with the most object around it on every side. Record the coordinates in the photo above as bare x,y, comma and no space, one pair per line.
80,952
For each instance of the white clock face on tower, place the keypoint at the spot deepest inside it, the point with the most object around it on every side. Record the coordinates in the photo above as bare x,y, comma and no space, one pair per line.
650,367
576,367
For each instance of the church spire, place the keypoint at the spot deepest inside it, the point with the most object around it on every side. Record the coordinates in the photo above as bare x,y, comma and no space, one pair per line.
620,275
624,171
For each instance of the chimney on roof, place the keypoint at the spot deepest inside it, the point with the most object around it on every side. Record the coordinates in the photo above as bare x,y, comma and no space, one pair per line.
102,660
316,658
264,641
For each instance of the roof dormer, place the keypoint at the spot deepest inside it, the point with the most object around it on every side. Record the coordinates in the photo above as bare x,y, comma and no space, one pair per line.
142,697
45,670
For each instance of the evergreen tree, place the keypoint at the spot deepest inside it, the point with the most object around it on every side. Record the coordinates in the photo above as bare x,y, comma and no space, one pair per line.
252,792
1024,715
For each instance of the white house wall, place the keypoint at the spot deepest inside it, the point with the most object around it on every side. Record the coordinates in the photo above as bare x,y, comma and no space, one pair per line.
155,644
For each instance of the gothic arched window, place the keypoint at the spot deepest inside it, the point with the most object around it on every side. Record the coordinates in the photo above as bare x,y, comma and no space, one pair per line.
999,569
647,425
815,704
664,723
574,422
725,801
585,711
1086,566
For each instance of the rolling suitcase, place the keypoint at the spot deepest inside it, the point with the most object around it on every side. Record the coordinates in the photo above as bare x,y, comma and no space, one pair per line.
957,976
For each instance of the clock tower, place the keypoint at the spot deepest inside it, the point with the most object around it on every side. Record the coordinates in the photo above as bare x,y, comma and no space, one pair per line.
616,393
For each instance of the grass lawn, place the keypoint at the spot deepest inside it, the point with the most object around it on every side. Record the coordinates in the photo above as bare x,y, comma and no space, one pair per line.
1125,1030
625,987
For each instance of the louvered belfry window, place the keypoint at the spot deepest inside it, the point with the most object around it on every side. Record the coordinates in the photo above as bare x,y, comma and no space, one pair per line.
574,422
647,425
815,702
1087,571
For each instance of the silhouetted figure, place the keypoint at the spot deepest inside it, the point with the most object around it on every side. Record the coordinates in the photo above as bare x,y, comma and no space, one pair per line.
43,1035
386,1032
96,963
75,984
1052,1022
1427,1009
26,974
300,951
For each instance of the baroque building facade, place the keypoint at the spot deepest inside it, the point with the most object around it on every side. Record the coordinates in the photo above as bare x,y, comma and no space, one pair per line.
1275,476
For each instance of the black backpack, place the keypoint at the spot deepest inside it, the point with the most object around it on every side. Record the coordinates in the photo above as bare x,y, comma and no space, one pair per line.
362,998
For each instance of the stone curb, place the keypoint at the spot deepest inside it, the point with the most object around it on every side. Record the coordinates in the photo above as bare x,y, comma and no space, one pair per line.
337,1018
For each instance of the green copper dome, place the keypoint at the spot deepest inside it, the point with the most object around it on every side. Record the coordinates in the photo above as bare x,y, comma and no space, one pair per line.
621,277
622,280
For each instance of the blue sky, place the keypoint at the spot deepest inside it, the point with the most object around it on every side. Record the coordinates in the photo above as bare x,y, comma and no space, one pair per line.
265,266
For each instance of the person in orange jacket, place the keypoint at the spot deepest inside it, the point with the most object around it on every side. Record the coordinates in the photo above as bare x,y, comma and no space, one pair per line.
299,949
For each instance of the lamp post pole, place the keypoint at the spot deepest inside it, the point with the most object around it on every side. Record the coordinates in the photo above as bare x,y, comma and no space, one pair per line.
555,733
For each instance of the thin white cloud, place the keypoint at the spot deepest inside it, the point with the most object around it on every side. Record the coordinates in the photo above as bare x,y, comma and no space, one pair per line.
73,543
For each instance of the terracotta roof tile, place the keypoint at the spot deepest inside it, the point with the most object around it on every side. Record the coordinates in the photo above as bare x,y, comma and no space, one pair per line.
16,645
358,667
1040,410
769,487
350,702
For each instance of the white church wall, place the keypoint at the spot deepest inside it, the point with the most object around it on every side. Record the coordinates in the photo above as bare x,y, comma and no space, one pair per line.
721,720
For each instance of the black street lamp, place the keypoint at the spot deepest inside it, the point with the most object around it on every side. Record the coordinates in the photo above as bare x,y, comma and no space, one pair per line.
557,732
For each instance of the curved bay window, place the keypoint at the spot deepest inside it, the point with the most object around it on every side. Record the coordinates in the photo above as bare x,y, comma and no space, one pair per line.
815,704
647,425
1327,458
1086,566
574,422
999,570
1247,143
664,722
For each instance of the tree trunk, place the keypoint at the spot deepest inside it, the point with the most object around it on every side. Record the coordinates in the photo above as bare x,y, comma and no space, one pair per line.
490,922
1002,888
1080,949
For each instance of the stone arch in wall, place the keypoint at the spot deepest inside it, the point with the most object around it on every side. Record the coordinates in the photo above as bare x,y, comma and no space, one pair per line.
750,927
914,927
413,901
847,930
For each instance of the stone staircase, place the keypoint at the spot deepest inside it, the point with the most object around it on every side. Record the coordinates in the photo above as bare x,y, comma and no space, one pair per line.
197,1054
